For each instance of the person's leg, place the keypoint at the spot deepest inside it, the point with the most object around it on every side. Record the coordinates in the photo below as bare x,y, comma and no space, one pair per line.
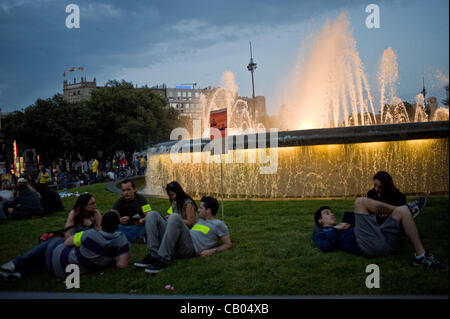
364,205
403,216
127,231
177,240
31,261
155,227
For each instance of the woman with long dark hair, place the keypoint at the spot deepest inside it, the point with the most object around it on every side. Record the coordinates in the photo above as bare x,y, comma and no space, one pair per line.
182,203
384,190
83,216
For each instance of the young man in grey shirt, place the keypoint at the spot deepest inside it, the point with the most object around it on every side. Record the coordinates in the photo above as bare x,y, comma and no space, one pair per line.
167,240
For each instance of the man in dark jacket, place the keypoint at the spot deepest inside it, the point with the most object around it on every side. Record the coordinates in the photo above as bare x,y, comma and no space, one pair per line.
50,200
26,204
362,233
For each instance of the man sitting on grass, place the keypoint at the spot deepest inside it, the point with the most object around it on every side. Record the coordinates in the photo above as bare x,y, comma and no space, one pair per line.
132,208
173,239
361,233
91,250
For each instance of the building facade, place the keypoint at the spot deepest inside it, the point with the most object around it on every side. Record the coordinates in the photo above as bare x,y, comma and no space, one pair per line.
186,100
78,91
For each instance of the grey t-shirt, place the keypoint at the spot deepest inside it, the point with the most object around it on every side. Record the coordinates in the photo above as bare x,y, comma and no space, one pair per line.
206,234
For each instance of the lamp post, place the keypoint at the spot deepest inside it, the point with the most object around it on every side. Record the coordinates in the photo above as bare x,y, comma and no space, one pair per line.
252,67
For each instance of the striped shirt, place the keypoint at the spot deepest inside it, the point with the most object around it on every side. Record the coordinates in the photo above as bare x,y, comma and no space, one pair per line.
98,250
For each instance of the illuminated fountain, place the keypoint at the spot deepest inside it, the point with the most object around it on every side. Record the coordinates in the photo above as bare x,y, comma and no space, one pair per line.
337,145
239,118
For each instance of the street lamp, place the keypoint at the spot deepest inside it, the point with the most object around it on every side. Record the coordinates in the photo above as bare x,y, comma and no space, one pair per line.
251,67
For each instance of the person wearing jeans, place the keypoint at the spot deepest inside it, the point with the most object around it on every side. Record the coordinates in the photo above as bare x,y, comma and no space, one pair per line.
171,239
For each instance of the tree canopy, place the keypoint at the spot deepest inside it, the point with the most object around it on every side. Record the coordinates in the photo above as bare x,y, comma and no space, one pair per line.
117,118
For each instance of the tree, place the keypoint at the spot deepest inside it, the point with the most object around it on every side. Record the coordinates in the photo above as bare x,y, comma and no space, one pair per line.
128,119
117,118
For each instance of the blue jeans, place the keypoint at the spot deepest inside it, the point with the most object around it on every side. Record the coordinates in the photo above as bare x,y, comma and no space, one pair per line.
34,260
132,231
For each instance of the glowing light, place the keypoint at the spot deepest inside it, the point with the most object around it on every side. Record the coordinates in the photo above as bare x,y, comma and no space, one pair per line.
418,142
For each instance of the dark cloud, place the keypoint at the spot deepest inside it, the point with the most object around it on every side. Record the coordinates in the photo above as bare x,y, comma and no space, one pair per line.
37,47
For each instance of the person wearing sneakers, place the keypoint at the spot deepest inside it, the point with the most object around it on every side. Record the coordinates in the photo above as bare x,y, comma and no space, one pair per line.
363,235
173,239
91,250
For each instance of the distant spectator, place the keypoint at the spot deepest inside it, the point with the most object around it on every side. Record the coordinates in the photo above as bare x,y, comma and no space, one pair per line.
50,200
110,175
44,176
123,162
84,167
142,165
94,170
26,204
6,196
77,181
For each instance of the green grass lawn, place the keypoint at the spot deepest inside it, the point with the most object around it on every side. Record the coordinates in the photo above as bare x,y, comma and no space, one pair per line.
273,254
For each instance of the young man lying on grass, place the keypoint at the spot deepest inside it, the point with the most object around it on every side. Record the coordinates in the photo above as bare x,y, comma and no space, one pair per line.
360,233
91,250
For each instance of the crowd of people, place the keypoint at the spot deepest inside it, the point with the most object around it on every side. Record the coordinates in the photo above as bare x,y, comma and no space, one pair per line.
20,200
63,174
186,230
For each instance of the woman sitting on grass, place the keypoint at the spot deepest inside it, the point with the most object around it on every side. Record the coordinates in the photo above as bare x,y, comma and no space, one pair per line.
182,203
385,191
83,216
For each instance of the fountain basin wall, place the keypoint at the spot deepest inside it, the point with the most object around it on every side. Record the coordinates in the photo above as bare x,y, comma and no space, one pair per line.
336,162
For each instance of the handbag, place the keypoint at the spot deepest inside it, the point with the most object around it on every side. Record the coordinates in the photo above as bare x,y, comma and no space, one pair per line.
51,234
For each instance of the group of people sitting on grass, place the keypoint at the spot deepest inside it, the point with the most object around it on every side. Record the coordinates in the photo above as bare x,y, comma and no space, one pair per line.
21,200
94,242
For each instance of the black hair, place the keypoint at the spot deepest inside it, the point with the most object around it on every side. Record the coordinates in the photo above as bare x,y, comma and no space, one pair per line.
211,203
110,222
181,195
318,215
79,208
125,181
387,181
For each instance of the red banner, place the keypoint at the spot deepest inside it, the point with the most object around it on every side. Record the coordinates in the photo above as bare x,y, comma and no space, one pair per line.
218,120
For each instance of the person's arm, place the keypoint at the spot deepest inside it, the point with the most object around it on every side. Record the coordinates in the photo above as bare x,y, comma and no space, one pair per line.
69,241
190,215
226,244
98,220
122,260
69,222
326,240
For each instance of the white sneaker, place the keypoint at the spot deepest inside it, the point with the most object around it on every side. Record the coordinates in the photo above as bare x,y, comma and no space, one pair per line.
9,266
10,276
417,206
